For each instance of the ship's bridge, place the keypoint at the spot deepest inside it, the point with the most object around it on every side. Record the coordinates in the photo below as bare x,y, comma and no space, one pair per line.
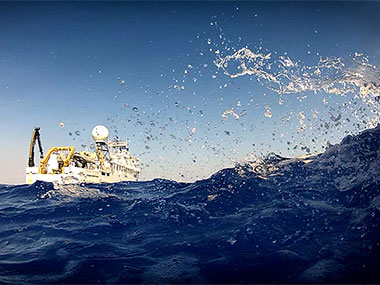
121,146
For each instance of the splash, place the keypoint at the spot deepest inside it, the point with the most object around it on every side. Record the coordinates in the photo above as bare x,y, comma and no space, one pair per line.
331,75
230,112
354,78
250,63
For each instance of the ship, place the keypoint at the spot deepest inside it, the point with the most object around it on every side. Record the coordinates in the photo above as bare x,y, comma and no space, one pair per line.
110,162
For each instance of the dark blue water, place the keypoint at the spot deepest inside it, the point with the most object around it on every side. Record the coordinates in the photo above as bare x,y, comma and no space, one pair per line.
284,221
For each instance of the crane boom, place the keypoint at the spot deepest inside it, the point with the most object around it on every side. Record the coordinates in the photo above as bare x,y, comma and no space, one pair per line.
35,137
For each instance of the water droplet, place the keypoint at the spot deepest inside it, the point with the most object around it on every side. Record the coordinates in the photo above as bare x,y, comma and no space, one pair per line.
268,112
243,113
231,240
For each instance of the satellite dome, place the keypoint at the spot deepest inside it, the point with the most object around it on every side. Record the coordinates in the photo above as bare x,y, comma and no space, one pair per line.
100,133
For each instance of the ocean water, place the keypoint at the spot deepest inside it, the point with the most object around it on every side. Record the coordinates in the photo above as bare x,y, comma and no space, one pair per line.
312,219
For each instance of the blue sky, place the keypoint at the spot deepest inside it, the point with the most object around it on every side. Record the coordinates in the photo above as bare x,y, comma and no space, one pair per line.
63,61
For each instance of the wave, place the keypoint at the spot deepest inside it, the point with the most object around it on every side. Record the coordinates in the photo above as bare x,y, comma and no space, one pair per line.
307,219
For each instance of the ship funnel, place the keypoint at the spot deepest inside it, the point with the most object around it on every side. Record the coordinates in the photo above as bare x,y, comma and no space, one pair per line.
100,134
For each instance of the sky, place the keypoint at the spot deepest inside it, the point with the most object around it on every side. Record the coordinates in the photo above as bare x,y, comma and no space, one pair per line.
150,72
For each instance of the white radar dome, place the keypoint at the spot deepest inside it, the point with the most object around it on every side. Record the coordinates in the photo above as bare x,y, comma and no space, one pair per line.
100,133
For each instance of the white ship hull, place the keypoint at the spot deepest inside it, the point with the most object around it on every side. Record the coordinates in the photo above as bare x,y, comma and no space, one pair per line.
74,175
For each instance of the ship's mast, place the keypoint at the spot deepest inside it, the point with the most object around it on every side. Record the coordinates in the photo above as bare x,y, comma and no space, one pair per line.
100,135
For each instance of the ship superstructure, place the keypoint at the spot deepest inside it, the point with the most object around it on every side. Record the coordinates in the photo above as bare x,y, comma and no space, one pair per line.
110,162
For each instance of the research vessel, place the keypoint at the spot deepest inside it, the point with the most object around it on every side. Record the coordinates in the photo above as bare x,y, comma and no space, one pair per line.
110,162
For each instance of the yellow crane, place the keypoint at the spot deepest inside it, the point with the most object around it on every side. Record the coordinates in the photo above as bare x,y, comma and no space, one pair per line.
70,149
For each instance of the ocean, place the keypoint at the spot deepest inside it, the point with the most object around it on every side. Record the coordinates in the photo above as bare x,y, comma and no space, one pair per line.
277,220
